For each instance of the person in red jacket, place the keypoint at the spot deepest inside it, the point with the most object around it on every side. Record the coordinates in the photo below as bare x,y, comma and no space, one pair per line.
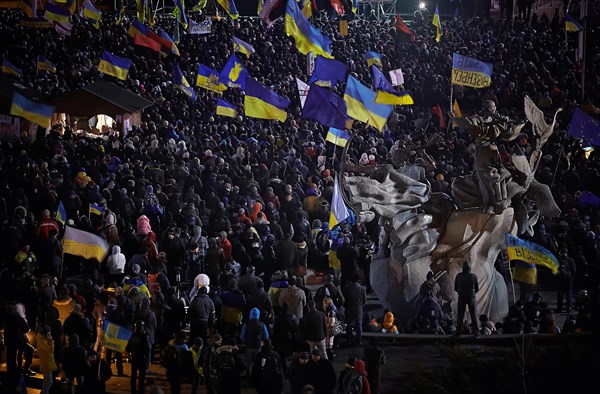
42,230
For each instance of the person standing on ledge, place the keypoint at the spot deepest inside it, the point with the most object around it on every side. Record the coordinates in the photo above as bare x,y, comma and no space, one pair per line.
466,285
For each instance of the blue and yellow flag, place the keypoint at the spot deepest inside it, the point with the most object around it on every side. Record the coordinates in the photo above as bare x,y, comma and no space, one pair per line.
61,213
471,72
119,11
137,28
373,58
242,46
355,6
88,11
325,107
328,72
200,4
571,24
114,65
179,13
44,64
360,103
96,209
263,103
85,244
306,8
386,93
437,23
531,253
115,337
55,13
337,137
234,73
226,109
208,79
307,37
182,84
149,12
9,68
173,48
29,7
338,211
229,7
32,111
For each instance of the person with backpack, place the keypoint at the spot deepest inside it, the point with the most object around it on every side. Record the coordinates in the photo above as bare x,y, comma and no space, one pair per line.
229,366
209,363
253,333
172,360
353,380
323,243
267,371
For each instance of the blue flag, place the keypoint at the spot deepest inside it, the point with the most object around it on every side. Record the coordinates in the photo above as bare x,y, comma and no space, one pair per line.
328,72
325,107
585,127
234,73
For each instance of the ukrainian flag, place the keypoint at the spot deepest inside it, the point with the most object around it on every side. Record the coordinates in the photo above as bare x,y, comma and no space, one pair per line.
263,103
90,12
9,68
29,7
44,64
114,65
226,109
96,209
61,213
137,28
84,244
571,24
182,84
149,13
337,137
55,13
386,94
373,58
531,253
119,10
525,273
32,111
307,37
307,10
360,103
208,79
338,211
173,47
115,337
242,46
234,73
200,4
229,7
179,13
437,23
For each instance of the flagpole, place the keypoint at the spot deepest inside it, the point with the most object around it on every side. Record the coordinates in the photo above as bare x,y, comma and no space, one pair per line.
562,148
451,97
583,59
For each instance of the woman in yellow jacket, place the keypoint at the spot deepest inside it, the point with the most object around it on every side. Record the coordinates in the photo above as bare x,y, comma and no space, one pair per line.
45,345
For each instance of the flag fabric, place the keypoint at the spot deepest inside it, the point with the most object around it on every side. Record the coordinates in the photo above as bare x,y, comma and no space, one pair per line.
529,252
355,6
456,109
96,209
360,102
9,68
396,77
386,94
471,72
343,27
226,109
61,213
182,84
114,65
63,28
325,107
119,11
90,12
149,12
84,244
147,42
167,44
167,39
115,337
234,73
176,35
328,72
307,8
307,37
179,13
525,273
571,24
201,4
263,103
137,28
303,90
437,111
437,23
56,13
230,8
373,58
242,46
337,137
29,7
32,111
208,79
588,199
44,64
403,28
585,127
140,9
338,211
272,10
337,6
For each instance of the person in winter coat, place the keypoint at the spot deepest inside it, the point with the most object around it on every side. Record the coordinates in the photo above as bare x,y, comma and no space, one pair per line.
172,360
267,372
138,349
229,365
78,324
96,372
374,358
209,363
116,265
74,359
314,328
332,320
17,343
321,373
254,332
145,315
329,289
356,298
45,345
201,314
297,373
466,285
359,367
295,297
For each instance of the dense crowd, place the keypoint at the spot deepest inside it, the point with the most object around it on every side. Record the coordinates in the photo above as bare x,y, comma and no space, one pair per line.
213,222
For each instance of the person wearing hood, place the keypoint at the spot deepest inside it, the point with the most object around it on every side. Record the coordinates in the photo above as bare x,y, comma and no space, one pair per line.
229,366
45,346
267,371
254,332
388,325
146,315
74,358
138,349
116,264
77,323
466,284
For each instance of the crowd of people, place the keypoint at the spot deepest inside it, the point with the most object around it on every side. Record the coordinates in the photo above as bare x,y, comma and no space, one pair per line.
239,207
